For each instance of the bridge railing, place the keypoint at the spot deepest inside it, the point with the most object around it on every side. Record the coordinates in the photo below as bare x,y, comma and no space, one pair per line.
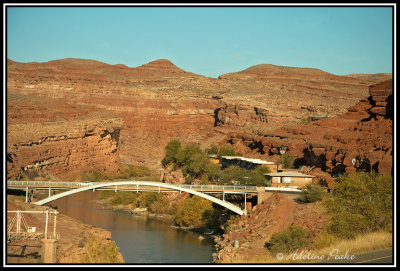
224,187
189,186
36,183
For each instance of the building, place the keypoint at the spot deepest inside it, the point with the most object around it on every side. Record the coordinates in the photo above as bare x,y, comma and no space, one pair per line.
248,163
288,178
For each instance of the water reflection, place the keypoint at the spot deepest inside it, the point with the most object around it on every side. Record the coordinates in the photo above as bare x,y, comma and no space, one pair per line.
141,239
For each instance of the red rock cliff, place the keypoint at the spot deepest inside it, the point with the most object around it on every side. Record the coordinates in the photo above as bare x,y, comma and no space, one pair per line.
52,137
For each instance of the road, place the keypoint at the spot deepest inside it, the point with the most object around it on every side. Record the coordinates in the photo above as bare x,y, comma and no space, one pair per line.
373,257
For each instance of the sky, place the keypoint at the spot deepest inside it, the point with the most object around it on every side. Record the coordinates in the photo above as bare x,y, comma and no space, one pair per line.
209,41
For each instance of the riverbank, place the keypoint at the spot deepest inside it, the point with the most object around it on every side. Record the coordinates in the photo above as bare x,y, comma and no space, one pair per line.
75,238
145,212
203,232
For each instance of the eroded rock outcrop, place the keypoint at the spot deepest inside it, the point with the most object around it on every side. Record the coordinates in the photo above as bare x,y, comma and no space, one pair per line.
359,139
51,136
159,101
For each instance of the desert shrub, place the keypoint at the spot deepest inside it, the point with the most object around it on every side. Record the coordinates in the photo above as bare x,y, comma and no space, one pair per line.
133,171
211,150
94,176
234,174
161,205
226,151
194,212
106,194
312,192
96,251
289,240
361,202
287,160
29,174
123,198
171,150
145,199
324,239
232,223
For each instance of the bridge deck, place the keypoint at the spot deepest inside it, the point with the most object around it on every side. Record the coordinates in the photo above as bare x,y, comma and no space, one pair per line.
133,187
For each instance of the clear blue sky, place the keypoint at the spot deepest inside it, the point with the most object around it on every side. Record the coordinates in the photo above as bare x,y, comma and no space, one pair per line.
207,40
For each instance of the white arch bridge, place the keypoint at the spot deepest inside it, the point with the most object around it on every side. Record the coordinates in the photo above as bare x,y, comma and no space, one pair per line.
133,185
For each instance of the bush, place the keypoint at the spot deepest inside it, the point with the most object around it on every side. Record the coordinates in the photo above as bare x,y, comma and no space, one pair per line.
100,252
211,150
161,205
233,174
123,198
312,192
94,176
232,223
226,151
287,160
146,199
195,212
289,240
361,202
323,240
171,150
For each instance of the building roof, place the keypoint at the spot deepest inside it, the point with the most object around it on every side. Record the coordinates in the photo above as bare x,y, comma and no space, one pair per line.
254,161
288,174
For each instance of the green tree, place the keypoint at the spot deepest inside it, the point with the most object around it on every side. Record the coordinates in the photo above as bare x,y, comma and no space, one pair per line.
195,212
226,151
195,163
211,150
233,174
312,192
185,154
287,160
171,150
289,240
361,202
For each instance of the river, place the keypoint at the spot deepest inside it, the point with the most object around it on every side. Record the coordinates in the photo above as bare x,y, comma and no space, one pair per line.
142,240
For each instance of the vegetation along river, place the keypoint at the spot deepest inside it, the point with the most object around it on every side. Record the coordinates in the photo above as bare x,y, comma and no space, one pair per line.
141,239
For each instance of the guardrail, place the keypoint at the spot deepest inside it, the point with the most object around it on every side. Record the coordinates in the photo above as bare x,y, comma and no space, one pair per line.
224,187
190,186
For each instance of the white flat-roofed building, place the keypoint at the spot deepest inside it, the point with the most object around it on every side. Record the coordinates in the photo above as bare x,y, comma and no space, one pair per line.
288,178
247,163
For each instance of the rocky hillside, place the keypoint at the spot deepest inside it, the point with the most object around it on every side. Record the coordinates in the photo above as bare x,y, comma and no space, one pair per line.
59,139
359,139
291,94
159,101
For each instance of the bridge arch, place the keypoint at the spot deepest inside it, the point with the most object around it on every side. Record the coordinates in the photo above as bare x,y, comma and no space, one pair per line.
225,204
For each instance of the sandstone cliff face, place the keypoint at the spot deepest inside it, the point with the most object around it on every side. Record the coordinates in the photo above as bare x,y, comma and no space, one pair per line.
159,101
359,139
50,136
292,94
240,116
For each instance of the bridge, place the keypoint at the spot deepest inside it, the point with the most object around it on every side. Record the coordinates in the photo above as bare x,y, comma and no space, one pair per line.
139,186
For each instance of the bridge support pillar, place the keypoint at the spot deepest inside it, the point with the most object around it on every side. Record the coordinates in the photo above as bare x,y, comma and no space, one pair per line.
28,195
248,206
262,195
49,249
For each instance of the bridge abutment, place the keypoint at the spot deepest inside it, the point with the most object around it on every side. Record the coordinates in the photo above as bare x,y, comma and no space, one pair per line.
49,250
